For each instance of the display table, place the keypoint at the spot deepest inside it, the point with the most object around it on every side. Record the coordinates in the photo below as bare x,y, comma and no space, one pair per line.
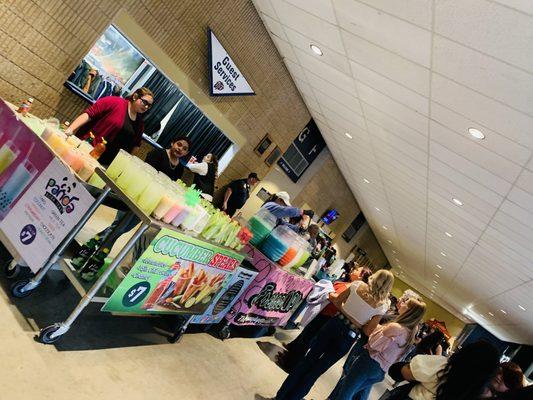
143,290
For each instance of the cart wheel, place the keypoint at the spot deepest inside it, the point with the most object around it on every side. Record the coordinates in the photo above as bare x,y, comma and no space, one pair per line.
45,334
11,271
17,289
175,338
224,333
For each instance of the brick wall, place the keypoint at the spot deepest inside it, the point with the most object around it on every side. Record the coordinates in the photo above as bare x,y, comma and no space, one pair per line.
44,40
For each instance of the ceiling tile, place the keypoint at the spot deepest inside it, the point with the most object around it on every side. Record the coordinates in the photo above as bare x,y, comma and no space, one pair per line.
285,49
416,11
265,6
331,57
484,74
464,182
483,110
392,107
466,148
525,181
320,8
327,72
274,27
389,32
390,88
387,64
309,25
469,169
493,141
488,27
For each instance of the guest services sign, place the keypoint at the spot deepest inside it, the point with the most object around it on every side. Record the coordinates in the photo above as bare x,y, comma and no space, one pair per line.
226,79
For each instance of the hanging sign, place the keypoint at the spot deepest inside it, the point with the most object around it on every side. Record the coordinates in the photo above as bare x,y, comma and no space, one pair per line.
225,78
302,152
46,213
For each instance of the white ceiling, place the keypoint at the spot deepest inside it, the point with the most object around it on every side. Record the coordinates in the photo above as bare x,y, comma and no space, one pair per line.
406,79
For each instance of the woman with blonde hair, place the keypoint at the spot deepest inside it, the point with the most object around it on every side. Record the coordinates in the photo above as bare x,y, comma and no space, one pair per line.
360,309
386,345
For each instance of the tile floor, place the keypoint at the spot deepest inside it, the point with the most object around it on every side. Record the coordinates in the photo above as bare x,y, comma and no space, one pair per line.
200,367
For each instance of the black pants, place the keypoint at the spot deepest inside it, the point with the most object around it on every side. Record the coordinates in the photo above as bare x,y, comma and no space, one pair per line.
297,349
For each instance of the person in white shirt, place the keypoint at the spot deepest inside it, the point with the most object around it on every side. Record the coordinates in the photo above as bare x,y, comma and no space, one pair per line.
464,376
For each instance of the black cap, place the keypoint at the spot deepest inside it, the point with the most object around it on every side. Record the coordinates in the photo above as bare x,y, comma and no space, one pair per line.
253,175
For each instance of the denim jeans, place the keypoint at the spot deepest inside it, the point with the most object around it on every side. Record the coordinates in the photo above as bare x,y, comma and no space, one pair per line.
363,373
331,343
356,351
111,235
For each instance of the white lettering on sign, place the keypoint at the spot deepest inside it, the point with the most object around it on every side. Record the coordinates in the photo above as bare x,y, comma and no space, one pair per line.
226,78
303,134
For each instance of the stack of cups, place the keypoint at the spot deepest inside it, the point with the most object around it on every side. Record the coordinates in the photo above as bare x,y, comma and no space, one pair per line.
120,163
151,196
89,165
73,158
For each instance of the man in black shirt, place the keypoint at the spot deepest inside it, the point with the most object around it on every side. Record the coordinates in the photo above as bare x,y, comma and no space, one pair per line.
237,193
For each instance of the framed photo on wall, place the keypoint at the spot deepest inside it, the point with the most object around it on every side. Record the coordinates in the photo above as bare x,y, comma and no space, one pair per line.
263,145
273,156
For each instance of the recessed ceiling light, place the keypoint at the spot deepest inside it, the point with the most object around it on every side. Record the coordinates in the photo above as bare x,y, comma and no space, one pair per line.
476,133
316,49
348,135
378,209
397,260
399,266
384,227
448,234
503,311
457,201
438,266
443,254
389,241
522,308
394,251
437,275
491,314
435,282
366,180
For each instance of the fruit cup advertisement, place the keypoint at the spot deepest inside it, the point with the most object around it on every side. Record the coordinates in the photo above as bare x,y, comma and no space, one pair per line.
177,274
272,297
23,156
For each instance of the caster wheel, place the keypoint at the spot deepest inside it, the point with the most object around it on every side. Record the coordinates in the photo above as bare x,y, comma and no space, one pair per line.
224,333
11,271
17,289
45,334
175,338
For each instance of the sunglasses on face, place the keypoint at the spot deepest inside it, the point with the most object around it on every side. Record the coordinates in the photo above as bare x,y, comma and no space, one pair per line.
146,103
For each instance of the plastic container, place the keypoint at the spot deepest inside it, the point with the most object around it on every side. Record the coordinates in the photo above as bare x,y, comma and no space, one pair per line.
278,242
89,165
151,196
120,163
261,224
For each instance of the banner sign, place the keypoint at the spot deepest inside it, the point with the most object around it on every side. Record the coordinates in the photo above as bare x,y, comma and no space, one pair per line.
272,297
23,156
302,152
234,286
225,78
177,274
45,214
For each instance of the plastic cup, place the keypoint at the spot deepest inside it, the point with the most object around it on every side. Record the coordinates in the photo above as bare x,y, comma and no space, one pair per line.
151,196
184,213
85,147
163,206
89,165
8,154
96,181
73,141
73,158
119,164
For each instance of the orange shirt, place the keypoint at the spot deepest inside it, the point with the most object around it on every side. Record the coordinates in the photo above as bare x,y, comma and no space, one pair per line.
330,310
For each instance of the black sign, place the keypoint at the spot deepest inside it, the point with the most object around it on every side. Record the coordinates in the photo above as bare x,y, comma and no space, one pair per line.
302,152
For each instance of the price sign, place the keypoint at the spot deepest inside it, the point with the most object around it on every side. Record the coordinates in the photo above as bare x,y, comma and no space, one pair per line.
136,294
